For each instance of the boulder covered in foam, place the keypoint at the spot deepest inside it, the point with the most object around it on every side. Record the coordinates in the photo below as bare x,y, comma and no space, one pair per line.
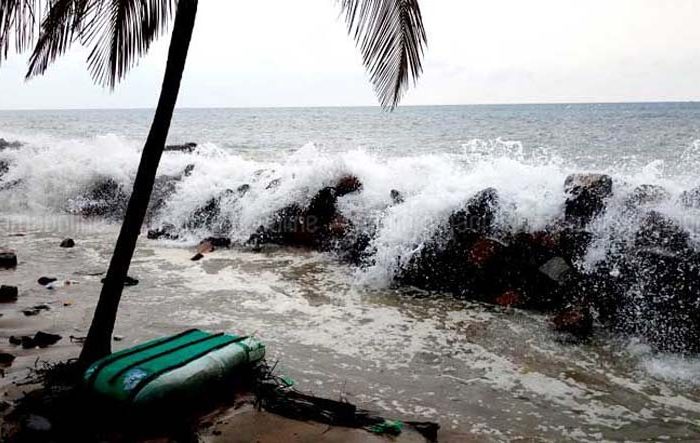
105,198
586,196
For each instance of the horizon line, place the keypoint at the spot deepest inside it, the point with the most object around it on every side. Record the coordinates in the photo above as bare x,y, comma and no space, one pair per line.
139,108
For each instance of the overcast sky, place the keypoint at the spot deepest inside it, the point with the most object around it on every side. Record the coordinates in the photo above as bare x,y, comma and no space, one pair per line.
296,53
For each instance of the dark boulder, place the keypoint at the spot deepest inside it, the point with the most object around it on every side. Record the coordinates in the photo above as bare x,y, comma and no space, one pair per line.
463,255
509,298
476,218
6,359
661,303
210,245
8,294
39,340
347,184
8,259
573,242
318,225
210,216
557,270
657,230
4,144
167,231
35,310
184,147
106,198
4,167
647,195
691,198
68,243
43,281
575,321
396,197
586,196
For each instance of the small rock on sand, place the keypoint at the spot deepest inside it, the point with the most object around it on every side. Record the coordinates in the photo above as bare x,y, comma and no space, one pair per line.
8,259
68,243
8,294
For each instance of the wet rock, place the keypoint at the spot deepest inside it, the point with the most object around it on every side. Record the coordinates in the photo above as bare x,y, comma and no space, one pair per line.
586,196
4,144
4,168
210,216
43,281
8,259
557,270
35,310
68,243
318,225
477,217
657,230
218,242
573,242
106,198
509,298
40,340
8,294
184,147
209,245
658,300
347,184
463,257
647,195
167,231
128,281
6,359
691,198
396,197
576,321
483,250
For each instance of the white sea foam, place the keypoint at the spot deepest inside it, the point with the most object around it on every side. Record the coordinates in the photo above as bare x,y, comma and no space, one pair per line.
529,182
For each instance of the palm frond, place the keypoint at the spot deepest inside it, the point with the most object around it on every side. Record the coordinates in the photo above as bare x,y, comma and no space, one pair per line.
120,32
19,21
392,40
58,31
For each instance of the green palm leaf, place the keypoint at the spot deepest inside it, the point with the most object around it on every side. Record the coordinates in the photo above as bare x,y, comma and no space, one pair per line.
120,32
19,20
58,29
391,38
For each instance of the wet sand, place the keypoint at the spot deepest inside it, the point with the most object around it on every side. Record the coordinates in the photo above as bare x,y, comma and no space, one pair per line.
477,370
69,315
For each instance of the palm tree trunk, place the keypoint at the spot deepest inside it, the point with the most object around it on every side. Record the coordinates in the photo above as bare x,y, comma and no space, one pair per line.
99,339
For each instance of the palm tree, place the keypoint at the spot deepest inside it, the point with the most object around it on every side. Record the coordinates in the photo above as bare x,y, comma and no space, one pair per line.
389,33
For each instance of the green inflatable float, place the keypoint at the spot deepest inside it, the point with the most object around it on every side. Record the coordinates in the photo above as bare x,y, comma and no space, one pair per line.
178,367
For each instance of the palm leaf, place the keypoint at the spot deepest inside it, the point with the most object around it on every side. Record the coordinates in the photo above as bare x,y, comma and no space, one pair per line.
19,20
120,32
58,30
392,39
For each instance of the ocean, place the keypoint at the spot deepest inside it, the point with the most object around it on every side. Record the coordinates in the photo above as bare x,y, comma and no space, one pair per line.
340,329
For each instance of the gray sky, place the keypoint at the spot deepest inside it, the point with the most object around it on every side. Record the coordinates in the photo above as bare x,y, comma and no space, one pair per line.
297,53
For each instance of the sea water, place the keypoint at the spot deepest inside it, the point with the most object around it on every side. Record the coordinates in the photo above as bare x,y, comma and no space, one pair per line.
347,331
